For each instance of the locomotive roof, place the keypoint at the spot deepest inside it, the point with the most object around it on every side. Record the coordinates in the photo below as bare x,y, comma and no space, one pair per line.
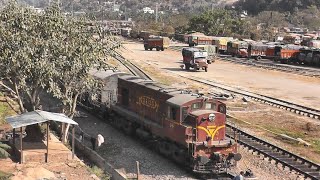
180,99
104,74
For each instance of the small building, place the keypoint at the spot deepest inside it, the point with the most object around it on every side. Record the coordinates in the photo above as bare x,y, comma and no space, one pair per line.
148,10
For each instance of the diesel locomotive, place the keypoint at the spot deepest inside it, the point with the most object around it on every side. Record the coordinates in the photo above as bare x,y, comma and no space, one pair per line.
188,128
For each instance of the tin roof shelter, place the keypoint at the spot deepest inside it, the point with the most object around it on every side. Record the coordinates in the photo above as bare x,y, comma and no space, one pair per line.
36,117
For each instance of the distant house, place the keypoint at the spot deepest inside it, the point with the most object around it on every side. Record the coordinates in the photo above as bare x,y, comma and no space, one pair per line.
116,8
243,15
38,10
148,10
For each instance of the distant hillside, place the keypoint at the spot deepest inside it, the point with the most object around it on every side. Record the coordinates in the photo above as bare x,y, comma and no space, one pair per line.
256,6
85,5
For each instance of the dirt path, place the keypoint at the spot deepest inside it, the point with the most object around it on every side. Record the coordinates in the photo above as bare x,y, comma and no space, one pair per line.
294,88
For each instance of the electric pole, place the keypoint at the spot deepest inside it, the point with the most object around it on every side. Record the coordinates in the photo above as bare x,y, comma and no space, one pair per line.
156,12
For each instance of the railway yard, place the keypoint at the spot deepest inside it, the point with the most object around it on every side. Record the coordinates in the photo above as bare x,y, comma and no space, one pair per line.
221,95
275,103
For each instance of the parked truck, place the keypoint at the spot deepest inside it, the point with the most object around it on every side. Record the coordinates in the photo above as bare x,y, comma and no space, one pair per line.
157,42
211,50
199,40
195,58
237,48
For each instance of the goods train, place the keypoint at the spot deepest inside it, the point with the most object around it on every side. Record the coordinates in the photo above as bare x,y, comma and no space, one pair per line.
188,128
294,52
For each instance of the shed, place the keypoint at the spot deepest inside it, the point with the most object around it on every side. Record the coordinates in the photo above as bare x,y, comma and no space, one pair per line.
36,117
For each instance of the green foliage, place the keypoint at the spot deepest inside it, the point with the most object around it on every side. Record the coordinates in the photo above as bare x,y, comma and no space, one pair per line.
50,52
5,111
316,144
3,150
4,176
100,173
257,6
217,22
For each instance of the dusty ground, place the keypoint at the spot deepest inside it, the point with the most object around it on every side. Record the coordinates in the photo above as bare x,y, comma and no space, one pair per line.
294,88
70,170
264,121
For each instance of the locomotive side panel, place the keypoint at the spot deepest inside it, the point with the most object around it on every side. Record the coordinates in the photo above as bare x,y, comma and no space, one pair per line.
146,102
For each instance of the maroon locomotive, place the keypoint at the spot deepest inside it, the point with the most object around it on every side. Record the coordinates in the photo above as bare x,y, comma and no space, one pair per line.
188,128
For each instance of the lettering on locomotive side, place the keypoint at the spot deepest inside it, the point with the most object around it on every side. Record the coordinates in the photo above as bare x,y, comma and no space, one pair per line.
148,102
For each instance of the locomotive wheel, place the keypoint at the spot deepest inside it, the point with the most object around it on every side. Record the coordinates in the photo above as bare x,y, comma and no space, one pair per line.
165,148
206,69
187,66
162,49
158,49
150,49
259,58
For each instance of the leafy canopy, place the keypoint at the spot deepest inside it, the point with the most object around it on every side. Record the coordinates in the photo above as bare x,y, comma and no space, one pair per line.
52,53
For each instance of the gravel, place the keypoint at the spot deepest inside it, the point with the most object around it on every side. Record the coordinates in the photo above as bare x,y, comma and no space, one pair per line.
122,152
263,168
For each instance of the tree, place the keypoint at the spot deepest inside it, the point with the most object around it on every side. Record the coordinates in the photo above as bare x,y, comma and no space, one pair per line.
3,150
216,22
50,53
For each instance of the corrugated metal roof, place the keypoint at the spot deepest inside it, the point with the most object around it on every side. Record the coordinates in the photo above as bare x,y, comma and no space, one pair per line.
36,117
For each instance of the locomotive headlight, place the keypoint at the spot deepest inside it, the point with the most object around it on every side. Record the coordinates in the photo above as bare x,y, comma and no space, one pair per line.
212,117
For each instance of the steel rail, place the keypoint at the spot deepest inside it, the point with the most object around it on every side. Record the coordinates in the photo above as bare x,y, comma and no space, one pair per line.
282,104
305,71
135,70
294,162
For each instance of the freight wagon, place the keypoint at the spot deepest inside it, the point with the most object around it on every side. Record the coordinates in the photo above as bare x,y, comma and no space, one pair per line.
287,53
221,43
309,56
237,48
260,50
199,40
157,42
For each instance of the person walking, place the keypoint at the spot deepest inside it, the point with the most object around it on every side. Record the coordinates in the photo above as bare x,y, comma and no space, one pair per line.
239,177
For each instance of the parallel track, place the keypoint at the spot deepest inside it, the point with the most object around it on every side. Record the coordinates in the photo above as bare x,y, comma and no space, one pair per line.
293,162
305,71
293,69
289,106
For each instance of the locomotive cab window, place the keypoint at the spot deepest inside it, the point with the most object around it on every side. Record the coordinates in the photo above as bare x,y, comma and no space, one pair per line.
196,105
222,109
125,96
210,105
172,113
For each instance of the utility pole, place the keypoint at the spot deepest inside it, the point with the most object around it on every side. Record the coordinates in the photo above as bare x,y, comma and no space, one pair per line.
156,12
72,13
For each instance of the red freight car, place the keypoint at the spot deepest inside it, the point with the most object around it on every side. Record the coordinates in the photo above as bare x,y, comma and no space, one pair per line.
188,128
287,53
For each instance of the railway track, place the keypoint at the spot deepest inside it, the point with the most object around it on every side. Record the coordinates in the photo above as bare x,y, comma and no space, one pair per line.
135,70
293,162
282,104
304,71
